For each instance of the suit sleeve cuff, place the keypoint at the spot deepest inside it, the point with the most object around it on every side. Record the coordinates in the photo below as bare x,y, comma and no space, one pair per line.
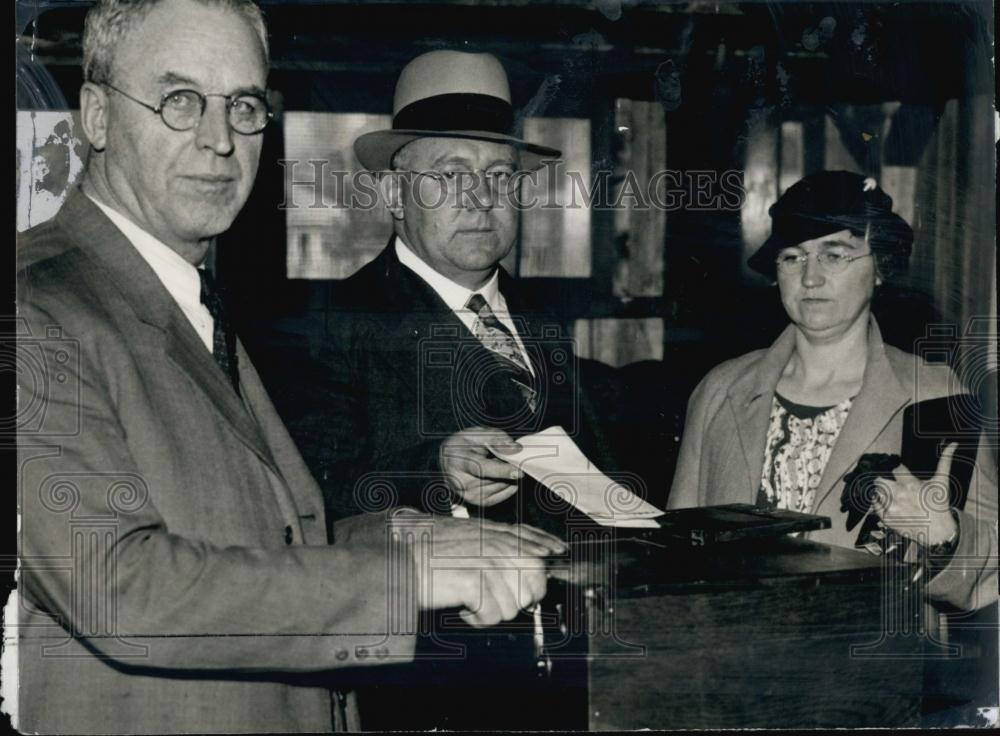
956,576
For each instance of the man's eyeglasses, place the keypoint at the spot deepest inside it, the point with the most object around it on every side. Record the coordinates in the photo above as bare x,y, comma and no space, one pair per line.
181,109
830,261
465,180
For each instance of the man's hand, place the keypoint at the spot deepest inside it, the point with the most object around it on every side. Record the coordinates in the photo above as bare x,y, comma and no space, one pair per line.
488,569
472,469
901,502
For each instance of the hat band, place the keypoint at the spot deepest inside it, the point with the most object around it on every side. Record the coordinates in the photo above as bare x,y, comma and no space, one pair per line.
457,111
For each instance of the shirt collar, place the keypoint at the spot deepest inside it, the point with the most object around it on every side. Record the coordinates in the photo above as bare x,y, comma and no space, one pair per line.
179,276
454,295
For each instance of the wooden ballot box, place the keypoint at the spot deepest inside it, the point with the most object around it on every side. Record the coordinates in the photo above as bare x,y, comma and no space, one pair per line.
779,632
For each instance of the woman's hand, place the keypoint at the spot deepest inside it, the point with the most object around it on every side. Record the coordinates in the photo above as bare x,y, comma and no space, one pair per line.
905,503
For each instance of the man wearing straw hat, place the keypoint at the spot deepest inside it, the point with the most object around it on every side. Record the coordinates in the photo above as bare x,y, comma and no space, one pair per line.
438,361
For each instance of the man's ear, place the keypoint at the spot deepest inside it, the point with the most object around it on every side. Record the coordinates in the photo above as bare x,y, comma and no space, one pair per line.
94,114
391,185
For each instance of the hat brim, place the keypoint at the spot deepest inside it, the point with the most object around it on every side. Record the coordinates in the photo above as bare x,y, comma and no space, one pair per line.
763,259
376,149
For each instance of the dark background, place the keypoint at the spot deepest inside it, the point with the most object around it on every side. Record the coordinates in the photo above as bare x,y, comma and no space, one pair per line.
729,69
731,74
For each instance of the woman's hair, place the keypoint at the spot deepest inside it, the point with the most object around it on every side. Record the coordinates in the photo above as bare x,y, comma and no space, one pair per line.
109,22
890,260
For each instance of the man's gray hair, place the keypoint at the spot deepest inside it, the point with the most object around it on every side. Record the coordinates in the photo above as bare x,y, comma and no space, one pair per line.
109,22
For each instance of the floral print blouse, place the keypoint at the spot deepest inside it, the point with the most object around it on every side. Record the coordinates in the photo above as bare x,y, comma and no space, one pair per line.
799,442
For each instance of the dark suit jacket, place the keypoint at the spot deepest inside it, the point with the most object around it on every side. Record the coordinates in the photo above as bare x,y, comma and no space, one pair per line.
400,373
175,571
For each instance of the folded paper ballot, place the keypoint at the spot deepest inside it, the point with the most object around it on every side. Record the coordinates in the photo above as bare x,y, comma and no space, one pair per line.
552,458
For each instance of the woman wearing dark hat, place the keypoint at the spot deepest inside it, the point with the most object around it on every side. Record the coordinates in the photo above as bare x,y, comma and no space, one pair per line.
782,427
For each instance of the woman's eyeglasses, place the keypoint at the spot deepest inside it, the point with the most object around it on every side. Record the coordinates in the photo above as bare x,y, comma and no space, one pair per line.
830,261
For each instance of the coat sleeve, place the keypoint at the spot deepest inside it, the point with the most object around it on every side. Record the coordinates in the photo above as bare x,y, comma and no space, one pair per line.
98,557
686,488
969,580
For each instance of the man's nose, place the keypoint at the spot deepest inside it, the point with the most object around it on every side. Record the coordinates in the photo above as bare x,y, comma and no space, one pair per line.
213,129
812,272
477,191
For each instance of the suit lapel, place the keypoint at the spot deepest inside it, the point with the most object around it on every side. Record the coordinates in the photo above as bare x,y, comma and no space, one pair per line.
543,338
529,320
299,496
414,312
187,352
145,294
881,397
751,397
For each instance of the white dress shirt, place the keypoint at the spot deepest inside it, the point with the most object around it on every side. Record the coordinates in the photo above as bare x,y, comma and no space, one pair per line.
179,276
457,296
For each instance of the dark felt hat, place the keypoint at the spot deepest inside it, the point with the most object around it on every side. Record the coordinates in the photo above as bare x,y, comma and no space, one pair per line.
827,202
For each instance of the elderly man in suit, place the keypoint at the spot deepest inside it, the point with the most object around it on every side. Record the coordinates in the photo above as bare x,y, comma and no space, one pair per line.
175,573
438,360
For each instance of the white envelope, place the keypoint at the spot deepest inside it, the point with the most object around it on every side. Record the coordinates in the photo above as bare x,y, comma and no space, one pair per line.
552,458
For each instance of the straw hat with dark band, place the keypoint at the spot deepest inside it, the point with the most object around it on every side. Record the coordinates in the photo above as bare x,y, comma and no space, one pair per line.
830,201
449,94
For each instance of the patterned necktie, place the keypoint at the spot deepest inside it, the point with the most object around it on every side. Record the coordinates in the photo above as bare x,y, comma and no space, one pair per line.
223,337
495,337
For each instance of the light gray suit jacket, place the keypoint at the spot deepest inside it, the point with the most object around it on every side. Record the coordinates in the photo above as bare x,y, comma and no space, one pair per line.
725,433
175,572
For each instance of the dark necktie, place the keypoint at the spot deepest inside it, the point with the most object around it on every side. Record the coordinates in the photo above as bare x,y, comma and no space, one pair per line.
495,337
223,337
